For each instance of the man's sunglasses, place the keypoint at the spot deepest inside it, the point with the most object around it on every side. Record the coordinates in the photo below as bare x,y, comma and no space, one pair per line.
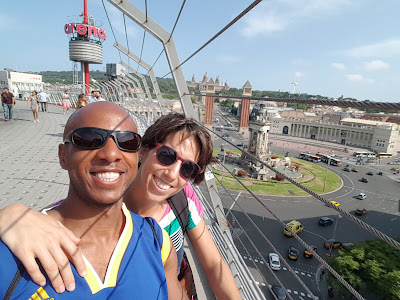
91,138
167,156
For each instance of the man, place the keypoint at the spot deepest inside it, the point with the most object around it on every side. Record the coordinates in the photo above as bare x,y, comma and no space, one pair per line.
8,101
43,100
98,96
92,97
120,248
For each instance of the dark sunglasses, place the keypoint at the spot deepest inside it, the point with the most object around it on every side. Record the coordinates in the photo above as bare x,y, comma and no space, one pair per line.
167,156
91,138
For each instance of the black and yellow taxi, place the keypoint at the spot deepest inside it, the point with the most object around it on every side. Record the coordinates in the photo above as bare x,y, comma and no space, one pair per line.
295,226
332,244
293,253
360,211
308,253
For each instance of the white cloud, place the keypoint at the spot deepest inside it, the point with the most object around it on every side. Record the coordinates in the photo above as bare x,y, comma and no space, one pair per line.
358,78
354,77
298,74
376,65
277,15
383,49
228,59
338,66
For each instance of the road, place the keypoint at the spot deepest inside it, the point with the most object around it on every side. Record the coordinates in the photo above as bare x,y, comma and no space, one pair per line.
382,204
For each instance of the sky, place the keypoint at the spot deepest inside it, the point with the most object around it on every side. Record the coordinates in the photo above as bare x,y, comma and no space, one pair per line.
328,47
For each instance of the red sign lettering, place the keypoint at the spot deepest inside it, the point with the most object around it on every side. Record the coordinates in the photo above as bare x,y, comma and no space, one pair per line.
83,29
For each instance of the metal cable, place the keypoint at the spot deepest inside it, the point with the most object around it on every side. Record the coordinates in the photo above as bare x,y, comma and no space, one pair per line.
250,7
326,265
253,262
362,224
127,42
173,29
141,51
271,245
340,103
112,30
176,22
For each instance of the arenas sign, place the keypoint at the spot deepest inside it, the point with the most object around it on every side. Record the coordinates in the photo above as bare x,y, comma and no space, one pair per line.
84,29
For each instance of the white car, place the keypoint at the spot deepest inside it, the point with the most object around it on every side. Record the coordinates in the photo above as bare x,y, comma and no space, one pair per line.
274,261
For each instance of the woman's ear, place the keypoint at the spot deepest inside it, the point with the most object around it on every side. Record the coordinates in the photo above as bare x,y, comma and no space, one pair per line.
143,152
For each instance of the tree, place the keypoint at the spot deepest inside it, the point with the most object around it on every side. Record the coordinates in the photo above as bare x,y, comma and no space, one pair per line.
371,266
279,177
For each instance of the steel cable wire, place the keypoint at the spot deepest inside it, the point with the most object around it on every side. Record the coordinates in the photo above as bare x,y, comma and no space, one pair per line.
112,30
250,7
127,41
256,250
326,265
362,224
270,244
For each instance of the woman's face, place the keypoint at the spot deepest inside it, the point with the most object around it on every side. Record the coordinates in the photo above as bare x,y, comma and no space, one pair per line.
158,182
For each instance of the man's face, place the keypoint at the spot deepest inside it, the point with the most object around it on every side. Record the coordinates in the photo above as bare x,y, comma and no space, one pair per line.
99,177
5,90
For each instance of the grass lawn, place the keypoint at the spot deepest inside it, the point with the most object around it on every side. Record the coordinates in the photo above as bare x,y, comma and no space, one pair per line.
313,178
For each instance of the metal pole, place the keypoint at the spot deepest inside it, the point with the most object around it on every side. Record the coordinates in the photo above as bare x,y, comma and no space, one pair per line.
326,173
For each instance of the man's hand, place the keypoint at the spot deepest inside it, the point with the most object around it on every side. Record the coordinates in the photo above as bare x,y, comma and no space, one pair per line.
30,234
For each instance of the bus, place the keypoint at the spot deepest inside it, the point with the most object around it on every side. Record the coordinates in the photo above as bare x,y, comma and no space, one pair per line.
310,157
336,162
384,155
333,161
364,154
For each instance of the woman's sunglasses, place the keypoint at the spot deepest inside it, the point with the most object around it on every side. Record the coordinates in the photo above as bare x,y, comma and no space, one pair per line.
167,156
91,138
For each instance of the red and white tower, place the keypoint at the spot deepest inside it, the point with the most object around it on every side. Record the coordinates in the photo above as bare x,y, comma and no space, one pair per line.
85,44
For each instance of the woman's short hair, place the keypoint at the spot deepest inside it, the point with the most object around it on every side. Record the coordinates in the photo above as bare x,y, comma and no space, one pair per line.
173,123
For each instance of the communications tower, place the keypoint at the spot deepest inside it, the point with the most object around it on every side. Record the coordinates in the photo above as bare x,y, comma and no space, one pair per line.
85,43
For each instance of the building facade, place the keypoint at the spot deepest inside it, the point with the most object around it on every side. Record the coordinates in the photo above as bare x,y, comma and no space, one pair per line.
374,135
20,84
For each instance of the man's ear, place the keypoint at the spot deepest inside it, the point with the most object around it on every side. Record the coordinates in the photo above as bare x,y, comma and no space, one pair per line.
62,156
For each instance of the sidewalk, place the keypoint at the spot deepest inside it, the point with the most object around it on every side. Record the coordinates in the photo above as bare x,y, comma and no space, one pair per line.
29,168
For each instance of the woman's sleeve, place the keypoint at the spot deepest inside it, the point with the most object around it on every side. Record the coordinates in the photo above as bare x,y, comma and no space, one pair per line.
196,210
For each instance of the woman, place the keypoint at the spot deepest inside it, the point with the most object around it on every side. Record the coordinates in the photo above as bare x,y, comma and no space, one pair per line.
34,100
174,151
65,101
82,101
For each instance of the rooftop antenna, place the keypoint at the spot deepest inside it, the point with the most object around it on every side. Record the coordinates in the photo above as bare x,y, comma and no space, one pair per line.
294,85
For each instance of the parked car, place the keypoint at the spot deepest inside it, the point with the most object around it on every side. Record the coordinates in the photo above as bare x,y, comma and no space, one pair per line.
364,180
293,253
380,173
346,169
361,196
279,292
295,226
325,221
274,261
354,170
308,253
332,244
360,211
370,173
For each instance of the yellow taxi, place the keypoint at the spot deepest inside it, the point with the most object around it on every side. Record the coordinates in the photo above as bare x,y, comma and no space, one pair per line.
335,203
295,226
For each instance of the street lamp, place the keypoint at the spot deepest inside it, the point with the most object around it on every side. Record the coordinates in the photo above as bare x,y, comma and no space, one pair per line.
326,173
223,171
334,232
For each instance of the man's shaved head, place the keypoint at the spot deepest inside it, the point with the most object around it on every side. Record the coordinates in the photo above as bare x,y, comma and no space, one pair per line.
98,113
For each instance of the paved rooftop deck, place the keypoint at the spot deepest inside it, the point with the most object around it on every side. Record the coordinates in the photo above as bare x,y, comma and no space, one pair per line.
29,168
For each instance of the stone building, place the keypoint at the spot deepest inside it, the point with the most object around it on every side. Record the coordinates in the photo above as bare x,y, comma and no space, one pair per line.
202,85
